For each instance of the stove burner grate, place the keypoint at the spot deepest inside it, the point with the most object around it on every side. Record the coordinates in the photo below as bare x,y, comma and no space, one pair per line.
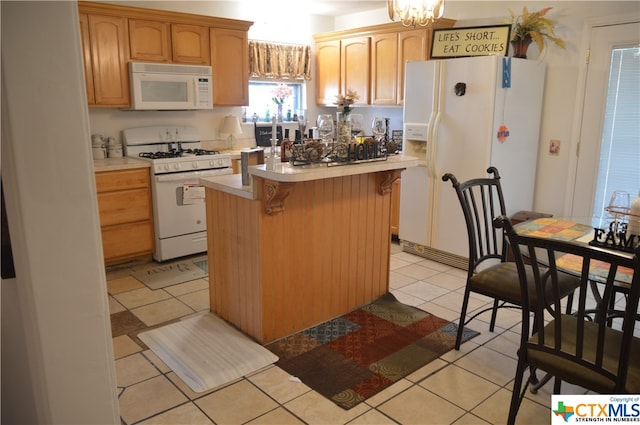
159,155
199,152
177,153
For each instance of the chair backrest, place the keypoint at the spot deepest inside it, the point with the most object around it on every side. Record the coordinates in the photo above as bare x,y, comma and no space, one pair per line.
591,340
482,201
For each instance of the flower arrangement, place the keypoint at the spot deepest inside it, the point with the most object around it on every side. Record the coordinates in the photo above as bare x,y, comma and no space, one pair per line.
345,102
281,93
535,26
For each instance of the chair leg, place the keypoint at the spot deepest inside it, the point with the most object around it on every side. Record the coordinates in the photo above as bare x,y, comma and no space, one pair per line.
494,313
569,303
612,307
536,385
517,392
556,385
463,314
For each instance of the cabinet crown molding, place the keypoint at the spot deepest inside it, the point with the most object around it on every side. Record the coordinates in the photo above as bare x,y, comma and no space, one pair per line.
162,15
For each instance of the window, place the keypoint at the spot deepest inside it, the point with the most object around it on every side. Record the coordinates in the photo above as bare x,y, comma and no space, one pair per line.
261,100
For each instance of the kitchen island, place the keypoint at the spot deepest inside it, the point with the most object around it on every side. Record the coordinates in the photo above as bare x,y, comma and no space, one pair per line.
299,245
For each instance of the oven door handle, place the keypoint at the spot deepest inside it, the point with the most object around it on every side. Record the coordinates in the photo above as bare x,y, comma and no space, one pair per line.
190,175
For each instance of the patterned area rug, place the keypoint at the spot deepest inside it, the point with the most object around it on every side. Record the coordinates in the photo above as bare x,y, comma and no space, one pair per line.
355,356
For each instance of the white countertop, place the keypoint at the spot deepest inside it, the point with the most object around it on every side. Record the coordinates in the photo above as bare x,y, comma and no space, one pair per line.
123,163
229,183
284,172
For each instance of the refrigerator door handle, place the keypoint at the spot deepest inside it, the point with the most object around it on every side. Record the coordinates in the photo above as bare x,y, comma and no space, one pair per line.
434,120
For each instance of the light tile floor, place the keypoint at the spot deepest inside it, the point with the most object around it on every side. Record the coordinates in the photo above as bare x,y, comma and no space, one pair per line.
470,386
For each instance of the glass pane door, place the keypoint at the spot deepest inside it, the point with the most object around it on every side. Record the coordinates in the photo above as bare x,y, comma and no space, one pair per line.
609,144
619,167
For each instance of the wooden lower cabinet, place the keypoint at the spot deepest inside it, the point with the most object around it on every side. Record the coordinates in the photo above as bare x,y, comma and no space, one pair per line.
125,241
126,223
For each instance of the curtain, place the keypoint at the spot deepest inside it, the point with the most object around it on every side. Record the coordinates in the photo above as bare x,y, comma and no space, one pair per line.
273,60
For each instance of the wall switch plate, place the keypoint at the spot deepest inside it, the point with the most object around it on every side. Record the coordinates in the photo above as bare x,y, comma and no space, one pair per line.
554,147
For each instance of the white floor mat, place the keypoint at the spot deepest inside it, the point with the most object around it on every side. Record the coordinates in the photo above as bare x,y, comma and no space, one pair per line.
206,352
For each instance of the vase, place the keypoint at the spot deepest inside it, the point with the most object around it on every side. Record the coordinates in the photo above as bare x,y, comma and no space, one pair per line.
280,116
343,130
520,47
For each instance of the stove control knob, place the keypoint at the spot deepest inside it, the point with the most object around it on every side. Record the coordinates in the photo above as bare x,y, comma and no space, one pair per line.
166,167
176,166
212,163
194,164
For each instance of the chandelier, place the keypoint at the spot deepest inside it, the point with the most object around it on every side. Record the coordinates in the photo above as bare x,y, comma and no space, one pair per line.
415,12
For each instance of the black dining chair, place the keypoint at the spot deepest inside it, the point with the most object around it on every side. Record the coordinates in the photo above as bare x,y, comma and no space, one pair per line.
489,273
574,347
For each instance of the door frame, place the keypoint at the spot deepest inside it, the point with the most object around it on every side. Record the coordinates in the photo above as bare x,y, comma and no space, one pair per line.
576,127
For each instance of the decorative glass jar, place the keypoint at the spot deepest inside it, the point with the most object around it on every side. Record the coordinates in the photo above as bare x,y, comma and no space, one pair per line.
343,127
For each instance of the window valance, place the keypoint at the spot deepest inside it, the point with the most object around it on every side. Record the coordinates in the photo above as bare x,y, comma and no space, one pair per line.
274,60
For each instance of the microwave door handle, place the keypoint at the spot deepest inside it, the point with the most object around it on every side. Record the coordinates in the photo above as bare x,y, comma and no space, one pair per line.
196,93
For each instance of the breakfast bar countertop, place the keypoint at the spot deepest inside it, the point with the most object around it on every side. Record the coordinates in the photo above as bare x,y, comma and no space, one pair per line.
286,173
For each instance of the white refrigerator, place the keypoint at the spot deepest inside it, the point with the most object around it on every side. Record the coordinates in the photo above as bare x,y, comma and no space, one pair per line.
461,116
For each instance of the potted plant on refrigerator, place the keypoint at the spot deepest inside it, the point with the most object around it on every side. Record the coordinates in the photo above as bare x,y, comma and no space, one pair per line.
529,27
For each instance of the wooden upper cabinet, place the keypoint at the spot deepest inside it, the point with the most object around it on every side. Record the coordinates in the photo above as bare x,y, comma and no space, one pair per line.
86,58
412,46
327,72
112,35
150,40
108,42
371,60
230,67
384,69
355,54
190,44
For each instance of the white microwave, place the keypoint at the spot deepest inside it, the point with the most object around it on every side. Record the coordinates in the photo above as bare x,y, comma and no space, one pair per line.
164,86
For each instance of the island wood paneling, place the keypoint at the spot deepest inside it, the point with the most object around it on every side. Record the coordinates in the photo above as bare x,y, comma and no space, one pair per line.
326,254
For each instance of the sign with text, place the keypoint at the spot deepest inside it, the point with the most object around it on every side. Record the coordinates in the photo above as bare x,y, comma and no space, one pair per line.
471,41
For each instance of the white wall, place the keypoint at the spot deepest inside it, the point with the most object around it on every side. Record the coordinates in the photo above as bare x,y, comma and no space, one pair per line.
57,363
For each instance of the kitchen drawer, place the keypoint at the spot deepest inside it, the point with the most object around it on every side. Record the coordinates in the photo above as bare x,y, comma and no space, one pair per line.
124,206
108,181
127,240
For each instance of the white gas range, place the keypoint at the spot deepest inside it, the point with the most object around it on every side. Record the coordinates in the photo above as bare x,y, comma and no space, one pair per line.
177,163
